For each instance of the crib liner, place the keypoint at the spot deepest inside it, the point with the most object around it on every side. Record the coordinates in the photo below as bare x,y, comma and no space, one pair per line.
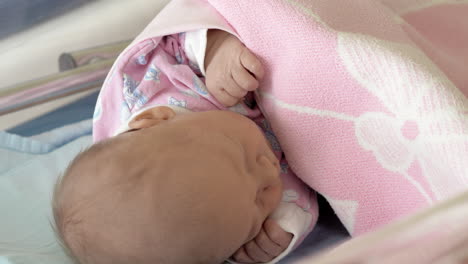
54,86
80,71
74,59
47,141
52,95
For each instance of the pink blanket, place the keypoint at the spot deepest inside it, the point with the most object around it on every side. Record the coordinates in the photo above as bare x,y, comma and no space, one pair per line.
367,97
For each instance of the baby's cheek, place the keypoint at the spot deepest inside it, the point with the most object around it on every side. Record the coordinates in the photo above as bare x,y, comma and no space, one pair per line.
278,193
273,197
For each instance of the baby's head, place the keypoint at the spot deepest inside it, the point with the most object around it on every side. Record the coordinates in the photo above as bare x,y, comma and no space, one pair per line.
177,188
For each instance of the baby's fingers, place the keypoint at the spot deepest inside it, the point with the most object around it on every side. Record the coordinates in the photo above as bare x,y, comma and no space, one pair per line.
277,234
242,257
224,97
252,63
256,253
269,246
244,79
233,88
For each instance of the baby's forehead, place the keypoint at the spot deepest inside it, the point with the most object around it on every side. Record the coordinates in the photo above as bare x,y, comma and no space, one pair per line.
141,158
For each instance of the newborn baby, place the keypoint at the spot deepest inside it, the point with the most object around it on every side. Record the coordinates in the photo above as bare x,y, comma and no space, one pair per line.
182,172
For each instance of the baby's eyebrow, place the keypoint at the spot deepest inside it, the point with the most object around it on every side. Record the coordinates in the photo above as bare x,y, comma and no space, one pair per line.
131,130
243,150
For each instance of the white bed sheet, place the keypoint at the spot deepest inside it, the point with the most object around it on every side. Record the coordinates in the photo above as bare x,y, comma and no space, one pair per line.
26,183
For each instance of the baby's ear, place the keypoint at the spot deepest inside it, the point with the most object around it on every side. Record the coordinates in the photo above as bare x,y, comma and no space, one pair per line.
152,117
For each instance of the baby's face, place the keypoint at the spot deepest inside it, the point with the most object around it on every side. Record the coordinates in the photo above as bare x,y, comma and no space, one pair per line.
219,172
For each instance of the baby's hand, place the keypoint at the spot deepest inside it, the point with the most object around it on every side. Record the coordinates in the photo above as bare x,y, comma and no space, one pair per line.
231,69
268,244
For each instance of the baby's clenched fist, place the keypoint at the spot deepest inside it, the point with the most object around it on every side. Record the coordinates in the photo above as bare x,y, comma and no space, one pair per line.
269,243
231,69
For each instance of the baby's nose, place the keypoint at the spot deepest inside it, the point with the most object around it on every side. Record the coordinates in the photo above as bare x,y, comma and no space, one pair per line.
269,168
